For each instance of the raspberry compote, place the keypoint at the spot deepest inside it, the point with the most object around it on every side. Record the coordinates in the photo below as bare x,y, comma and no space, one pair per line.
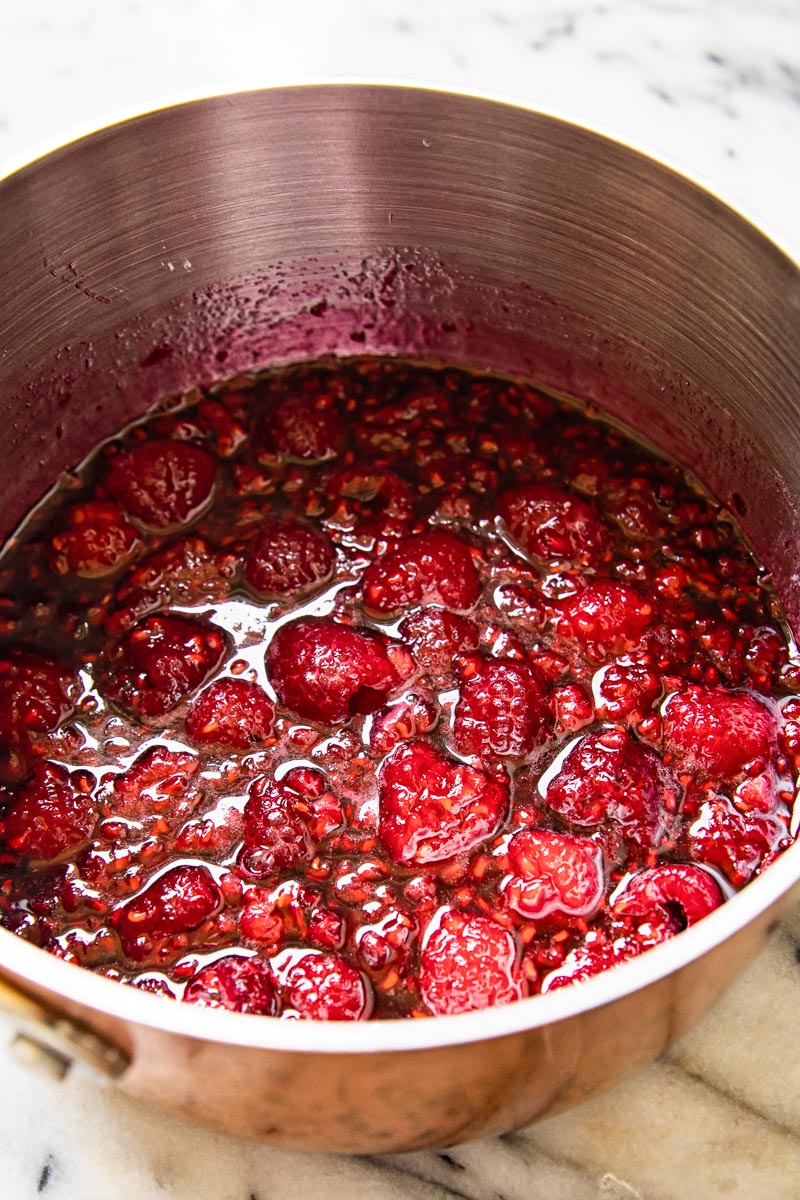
376,690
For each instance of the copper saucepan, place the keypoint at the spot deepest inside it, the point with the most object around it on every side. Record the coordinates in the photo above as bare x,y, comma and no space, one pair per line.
274,226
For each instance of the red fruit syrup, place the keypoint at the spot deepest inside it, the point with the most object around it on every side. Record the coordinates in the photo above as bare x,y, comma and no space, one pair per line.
367,690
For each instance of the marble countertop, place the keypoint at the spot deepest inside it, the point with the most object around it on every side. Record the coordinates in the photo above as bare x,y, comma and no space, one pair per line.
713,86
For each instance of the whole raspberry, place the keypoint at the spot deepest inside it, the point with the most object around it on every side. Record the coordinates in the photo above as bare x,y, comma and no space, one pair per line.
159,663
154,784
605,618
52,813
96,540
610,776
407,717
236,983
33,696
324,671
467,963
719,734
433,807
307,789
554,875
162,484
502,710
436,636
232,713
595,954
553,525
275,834
689,889
428,568
371,501
325,987
626,688
733,842
184,571
288,556
305,428
179,901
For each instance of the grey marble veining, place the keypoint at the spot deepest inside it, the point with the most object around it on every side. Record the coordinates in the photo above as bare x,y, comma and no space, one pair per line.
718,1117
712,85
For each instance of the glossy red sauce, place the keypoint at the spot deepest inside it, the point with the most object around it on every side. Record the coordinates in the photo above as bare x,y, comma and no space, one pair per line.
370,689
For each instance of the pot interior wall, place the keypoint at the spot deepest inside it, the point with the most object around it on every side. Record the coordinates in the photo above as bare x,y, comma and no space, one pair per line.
269,227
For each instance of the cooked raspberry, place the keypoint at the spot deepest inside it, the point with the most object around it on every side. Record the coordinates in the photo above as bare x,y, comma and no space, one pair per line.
631,504
425,403
160,662
434,567
170,573
179,901
626,688
217,830
413,714
307,790
328,672
609,776
690,890
733,842
432,807
502,710
260,920
236,983
757,793
54,812
288,556
223,421
154,784
327,929
153,985
184,572
551,524
304,427
387,940
324,987
275,835
552,605
554,875
604,618
520,605
234,713
371,499
436,635
718,734
96,540
572,707
33,696
765,658
587,472
467,963
594,955
162,484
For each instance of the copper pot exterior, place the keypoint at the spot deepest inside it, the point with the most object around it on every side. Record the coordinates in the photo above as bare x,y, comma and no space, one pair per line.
269,227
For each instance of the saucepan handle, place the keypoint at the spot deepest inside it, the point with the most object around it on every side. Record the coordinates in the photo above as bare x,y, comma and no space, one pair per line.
52,1042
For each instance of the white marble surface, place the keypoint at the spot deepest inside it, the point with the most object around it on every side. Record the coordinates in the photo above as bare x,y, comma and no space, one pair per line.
714,87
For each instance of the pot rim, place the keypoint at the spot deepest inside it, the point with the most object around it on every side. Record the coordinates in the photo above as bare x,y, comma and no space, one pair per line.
80,986
122,116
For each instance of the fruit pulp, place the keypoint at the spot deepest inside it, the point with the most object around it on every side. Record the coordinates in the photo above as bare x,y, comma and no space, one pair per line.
373,689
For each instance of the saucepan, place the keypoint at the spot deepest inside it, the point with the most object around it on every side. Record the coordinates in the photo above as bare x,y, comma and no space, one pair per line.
262,228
